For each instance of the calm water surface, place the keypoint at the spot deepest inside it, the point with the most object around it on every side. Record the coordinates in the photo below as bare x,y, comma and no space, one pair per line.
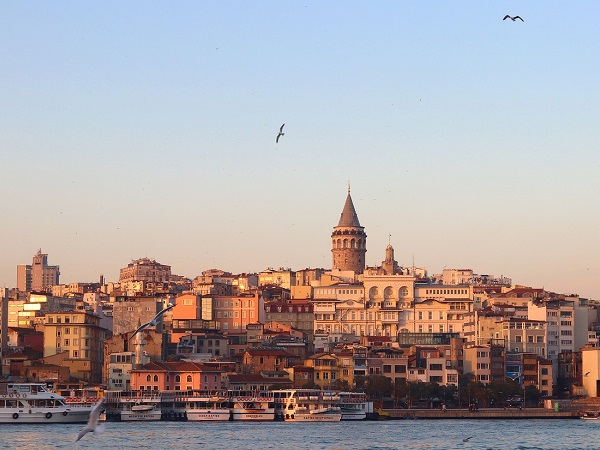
397,434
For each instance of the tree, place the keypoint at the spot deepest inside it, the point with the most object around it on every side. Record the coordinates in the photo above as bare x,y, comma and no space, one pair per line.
341,385
378,386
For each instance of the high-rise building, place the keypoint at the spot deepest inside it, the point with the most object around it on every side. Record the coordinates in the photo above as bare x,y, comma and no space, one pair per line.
349,241
38,276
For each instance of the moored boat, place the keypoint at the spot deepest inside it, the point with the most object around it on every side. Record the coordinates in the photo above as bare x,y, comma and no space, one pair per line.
307,405
196,406
251,405
34,403
354,405
589,415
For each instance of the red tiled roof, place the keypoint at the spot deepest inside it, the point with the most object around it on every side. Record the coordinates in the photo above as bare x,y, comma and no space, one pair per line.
247,378
379,339
266,352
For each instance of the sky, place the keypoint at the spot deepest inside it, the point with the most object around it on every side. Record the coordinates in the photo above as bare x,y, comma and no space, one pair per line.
147,129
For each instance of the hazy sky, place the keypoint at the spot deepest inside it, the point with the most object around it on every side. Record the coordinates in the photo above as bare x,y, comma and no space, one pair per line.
140,128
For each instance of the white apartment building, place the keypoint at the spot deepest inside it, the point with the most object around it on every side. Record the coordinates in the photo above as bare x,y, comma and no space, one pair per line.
567,324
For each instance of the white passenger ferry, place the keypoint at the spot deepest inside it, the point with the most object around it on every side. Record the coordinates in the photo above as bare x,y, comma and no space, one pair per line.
197,406
251,405
354,405
34,403
307,405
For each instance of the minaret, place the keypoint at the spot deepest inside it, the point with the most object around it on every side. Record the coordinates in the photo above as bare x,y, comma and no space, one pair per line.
349,240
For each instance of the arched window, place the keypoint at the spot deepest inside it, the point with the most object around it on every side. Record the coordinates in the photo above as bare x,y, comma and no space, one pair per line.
373,293
148,378
388,293
156,378
345,243
189,378
403,291
352,243
177,378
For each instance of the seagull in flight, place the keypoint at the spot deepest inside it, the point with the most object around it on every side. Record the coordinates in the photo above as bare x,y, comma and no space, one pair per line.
513,18
281,133
92,424
153,322
467,439
586,374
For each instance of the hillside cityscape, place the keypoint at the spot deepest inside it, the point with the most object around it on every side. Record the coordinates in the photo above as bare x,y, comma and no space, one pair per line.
402,335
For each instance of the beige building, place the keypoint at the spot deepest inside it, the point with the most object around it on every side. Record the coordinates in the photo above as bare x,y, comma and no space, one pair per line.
78,333
38,276
330,368
567,323
298,314
130,312
590,366
234,313
436,316
285,278
145,269
477,360
340,308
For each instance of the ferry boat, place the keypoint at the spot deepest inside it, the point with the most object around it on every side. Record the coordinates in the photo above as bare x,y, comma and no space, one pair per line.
251,405
354,405
307,405
34,403
196,406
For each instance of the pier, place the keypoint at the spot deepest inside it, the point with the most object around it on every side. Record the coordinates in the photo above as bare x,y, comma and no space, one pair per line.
487,413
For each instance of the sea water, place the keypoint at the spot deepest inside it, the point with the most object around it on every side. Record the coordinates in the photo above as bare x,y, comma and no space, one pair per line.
522,434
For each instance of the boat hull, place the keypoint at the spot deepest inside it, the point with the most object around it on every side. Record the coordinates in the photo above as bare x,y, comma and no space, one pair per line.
313,418
17,416
262,415
194,415
140,416
354,415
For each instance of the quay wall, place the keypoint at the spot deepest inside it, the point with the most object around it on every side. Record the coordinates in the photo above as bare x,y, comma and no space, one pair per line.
487,413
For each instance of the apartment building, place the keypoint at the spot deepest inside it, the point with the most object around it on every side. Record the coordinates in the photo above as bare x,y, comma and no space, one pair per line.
79,335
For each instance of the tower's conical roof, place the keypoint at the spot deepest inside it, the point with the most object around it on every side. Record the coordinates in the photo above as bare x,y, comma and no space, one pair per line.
349,217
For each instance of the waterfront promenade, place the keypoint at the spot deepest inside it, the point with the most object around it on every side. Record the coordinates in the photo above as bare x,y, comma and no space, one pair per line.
484,413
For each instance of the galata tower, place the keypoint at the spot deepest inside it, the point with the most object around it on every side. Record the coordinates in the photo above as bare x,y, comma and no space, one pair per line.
349,240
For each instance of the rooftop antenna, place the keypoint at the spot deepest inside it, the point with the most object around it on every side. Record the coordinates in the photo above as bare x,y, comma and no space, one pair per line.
390,239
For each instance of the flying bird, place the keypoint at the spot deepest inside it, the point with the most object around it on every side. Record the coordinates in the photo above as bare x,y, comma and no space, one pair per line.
92,424
281,133
586,374
467,439
153,322
513,18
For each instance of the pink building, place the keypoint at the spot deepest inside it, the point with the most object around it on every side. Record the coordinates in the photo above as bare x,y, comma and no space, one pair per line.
176,376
